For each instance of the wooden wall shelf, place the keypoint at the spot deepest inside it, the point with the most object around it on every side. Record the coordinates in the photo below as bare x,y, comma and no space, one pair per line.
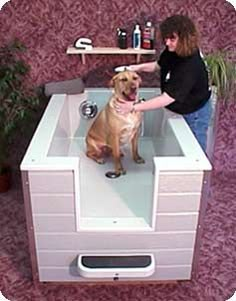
109,50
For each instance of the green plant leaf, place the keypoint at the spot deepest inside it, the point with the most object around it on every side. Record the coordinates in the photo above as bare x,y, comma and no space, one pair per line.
16,101
222,72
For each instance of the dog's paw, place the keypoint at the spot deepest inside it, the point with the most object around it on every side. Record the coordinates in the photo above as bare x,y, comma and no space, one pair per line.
139,160
101,161
121,171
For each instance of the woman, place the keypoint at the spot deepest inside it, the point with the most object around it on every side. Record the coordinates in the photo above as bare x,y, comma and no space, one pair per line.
184,78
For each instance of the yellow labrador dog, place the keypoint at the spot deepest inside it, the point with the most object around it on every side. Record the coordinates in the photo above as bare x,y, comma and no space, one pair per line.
111,130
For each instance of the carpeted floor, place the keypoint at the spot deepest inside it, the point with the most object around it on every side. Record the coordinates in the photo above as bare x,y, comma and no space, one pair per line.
216,276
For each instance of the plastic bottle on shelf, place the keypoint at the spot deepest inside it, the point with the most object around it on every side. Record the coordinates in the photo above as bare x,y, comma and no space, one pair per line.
137,37
148,36
122,38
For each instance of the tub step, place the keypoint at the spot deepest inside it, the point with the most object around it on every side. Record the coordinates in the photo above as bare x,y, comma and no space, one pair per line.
116,265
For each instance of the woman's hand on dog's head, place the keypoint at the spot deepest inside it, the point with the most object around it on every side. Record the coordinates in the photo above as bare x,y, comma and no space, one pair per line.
135,68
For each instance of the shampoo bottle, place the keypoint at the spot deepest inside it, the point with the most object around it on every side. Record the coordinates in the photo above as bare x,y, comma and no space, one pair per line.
137,37
148,36
152,34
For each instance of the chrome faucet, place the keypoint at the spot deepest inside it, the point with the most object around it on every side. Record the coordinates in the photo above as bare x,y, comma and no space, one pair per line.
88,109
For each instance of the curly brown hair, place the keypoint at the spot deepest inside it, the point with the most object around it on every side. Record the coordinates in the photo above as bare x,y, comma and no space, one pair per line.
184,27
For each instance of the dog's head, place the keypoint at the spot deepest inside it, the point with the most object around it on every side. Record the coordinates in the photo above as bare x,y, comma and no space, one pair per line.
126,85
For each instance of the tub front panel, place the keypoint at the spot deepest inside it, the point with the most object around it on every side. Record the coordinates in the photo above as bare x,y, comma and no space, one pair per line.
178,202
53,203
180,182
55,223
106,241
177,260
176,221
51,182
162,273
183,190
57,253
163,257
56,235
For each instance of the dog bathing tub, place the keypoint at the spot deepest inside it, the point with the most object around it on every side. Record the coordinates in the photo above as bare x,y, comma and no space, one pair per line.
75,214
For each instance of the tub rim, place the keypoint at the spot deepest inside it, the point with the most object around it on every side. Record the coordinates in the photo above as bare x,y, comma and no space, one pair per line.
36,156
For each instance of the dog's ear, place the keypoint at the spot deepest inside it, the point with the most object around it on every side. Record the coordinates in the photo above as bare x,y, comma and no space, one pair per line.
139,79
112,81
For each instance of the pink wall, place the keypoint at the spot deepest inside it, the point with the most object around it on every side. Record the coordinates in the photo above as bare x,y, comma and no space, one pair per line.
47,27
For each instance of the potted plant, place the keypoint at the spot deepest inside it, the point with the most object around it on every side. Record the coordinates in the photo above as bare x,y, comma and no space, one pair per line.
222,72
222,77
16,102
